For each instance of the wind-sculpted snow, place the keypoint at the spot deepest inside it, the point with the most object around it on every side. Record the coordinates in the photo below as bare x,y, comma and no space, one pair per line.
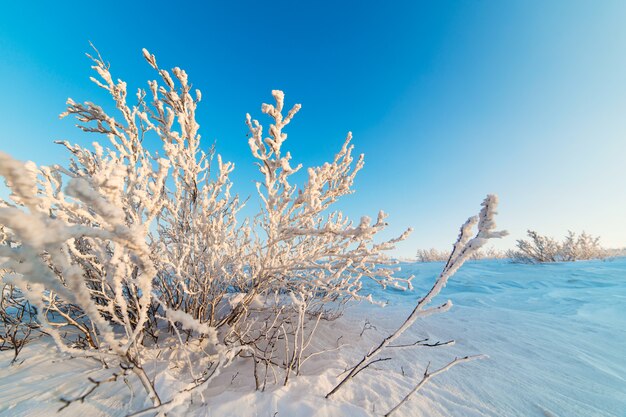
555,336
138,261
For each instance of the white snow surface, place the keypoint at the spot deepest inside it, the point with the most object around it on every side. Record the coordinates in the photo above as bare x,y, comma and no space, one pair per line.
555,335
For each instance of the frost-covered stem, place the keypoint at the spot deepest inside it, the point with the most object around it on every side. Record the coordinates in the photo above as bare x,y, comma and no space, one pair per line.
145,381
428,375
71,321
182,396
462,250
306,344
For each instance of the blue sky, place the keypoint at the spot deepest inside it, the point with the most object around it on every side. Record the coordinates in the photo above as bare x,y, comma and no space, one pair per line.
449,101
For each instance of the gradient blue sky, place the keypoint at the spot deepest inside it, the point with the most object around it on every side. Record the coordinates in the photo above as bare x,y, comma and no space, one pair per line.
449,101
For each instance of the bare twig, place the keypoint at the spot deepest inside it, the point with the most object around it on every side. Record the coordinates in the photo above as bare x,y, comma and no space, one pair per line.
428,375
462,250
95,384
422,343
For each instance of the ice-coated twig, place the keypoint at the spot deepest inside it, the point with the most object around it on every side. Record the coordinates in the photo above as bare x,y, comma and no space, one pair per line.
461,251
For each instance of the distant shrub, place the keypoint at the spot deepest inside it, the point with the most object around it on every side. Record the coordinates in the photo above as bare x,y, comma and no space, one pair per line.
616,252
435,255
542,249
432,255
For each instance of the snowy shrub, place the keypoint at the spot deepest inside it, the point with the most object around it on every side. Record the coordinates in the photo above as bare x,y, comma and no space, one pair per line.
488,253
127,247
615,252
582,247
17,318
541,249
435,255
538,249
432,255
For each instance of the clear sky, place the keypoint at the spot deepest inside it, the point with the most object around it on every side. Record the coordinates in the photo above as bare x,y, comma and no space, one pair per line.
449,101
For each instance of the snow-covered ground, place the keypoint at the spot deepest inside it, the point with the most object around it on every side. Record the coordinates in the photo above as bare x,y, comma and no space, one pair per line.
555,336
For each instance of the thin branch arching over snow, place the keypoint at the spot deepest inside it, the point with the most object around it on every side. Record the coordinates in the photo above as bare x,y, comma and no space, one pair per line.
462,249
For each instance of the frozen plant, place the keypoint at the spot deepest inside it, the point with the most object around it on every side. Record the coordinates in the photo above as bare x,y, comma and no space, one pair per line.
542,249
435,255
538,249
307,260
615,252
125,243
462,250
582,247
133,248
432,255
128,248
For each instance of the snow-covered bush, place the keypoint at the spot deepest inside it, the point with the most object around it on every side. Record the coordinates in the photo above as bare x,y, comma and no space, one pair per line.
127,247
582,247
17,319
541,249
435,255
615,252
432,255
